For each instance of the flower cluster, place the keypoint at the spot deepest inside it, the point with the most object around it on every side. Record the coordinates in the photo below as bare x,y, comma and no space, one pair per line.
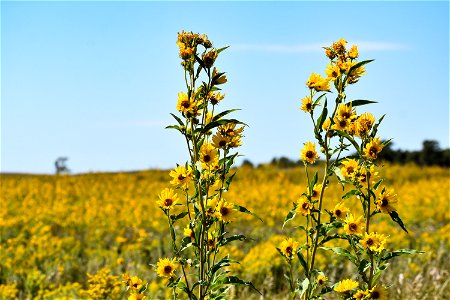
336,131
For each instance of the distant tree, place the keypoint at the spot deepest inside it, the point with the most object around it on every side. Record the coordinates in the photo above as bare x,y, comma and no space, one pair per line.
60,166
247,163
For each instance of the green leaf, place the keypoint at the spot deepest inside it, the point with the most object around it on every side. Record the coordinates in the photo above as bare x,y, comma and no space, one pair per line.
291,215
200,61
356,66
302,260
350,139
322,116
221,49
399,252
351,193
375,127
174,127
237,237
178,119
244,210
224,113
396,218
360,102
378,272
313,182
217,123
342,252
228,181
304,286
179,216
363,266
224,262
236,280
377,184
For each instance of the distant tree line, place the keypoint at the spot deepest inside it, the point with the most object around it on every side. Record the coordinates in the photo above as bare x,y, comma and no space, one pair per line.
430,155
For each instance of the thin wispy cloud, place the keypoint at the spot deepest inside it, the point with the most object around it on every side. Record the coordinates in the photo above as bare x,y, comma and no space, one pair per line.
316,47
135,124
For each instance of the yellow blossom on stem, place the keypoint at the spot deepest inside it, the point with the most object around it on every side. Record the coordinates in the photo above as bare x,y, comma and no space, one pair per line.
353,52
374,242
378,292
373,148
340,211
225,211
307,104
317,82
209,156
166,267
349,167
167,199
321,279
354,226
364,124
385,200
308,153
303,206
346,285
181,176
288,247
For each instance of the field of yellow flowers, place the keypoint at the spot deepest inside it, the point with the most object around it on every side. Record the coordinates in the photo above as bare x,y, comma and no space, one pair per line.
74,236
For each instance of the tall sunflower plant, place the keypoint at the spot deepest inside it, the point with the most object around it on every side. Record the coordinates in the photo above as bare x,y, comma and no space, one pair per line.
340,130
198,269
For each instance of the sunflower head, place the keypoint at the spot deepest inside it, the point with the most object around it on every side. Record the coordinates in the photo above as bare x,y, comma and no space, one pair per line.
340,211
354,226
374,242
307,104
373,148
181,176
385,201
225,211
349,168
288,248
167,199
304,206
166,267
346,285
309,154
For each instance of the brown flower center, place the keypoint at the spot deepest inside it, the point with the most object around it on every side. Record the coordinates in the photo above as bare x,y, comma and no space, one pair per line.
350,170
338,212
289,250
186,104
168,202
308,106
373,151
224,211
375,295
384,202
369,242
309,154
167,269
305,205
206,158
181,177
353,227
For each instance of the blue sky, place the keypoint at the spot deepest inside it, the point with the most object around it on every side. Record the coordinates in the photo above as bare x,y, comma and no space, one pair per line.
96,81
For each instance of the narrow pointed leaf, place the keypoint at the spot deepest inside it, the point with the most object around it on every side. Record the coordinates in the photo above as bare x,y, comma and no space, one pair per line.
396,218
246,211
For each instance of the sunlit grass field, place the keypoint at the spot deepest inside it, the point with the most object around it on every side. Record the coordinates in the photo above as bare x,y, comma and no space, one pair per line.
55,230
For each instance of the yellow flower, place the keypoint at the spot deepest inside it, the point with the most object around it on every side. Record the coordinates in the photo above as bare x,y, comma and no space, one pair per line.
349,168
353,52
220,141
181,176
166,267
362,174
307,104
364,124
378,292
316,191
186,106
309,153
209,156
346,112
317,82
137,297
211,241
333,71
339,46
374,242
373,148
346,285
288,247
354,226
330,53
167,199
385,200
188,232
354,76
321,279
304,206
215,97
340,124
326,124
225,211
230,130
135,283
340,211
210,57
359,295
